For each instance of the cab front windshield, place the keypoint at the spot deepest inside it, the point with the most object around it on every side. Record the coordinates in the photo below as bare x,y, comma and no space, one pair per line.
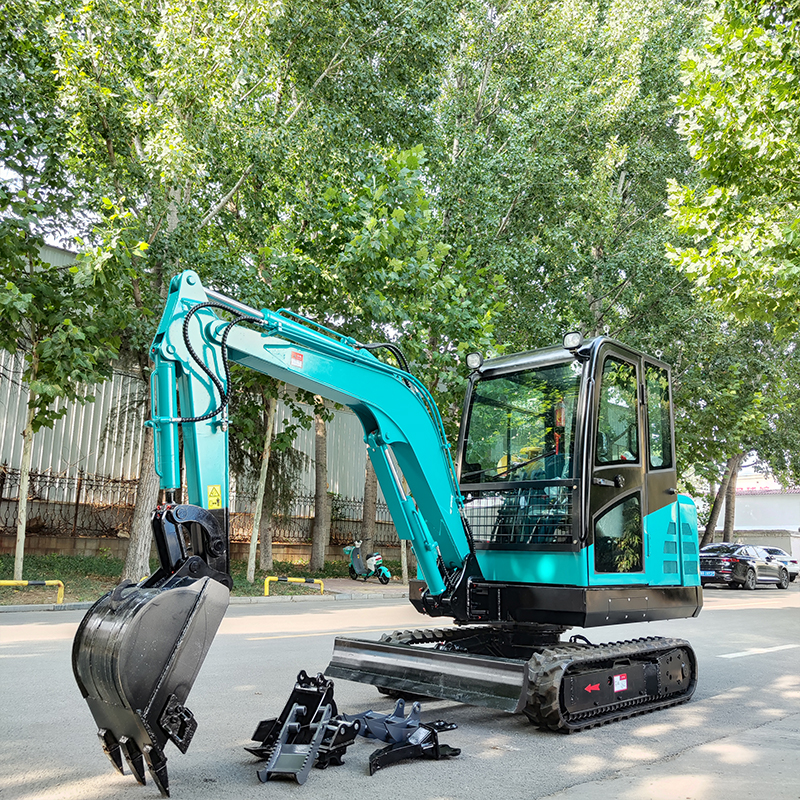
522,426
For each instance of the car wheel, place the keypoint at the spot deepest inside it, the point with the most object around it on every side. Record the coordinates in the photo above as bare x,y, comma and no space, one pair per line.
750,580
783,581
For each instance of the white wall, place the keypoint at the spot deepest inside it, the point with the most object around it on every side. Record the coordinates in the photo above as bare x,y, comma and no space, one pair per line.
770,510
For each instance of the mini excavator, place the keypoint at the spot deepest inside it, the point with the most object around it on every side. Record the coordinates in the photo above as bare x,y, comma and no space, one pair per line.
560,510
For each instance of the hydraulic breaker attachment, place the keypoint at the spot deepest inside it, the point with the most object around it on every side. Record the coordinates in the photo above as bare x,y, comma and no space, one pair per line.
423,742
307,733
139,648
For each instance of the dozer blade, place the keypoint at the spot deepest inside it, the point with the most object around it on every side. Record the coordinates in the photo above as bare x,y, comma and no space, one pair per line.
464,677
135,657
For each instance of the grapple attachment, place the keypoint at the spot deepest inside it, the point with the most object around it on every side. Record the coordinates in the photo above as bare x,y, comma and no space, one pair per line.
137,654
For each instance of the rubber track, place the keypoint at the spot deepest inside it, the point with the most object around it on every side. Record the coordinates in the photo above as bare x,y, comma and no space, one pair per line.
546,670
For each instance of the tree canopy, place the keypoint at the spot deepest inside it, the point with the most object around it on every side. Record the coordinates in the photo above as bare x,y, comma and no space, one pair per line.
447,176
738,115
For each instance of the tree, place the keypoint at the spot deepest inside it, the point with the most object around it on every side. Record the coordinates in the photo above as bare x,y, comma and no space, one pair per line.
738,117
50,318
555,150
369,509
260,531
321,532
193,131
34,182
366,259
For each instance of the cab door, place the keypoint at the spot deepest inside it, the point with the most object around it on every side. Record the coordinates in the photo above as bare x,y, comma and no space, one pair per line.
670,544
617,488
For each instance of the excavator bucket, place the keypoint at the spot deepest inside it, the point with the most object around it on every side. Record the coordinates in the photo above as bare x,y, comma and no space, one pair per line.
135,657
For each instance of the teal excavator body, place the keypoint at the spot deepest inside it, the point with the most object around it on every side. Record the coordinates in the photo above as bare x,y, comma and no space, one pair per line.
560,510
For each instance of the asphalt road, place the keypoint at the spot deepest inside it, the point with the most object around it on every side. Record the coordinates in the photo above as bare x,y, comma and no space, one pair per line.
738,738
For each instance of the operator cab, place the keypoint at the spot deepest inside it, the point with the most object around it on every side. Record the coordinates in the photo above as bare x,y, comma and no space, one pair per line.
566,464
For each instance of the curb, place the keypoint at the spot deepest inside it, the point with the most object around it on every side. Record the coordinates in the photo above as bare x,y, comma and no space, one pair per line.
234,601
48,607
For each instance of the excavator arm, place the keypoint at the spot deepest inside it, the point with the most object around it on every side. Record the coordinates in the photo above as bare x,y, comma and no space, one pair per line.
139,648
402,426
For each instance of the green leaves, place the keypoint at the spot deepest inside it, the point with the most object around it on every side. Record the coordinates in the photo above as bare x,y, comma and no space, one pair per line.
66,342
738,117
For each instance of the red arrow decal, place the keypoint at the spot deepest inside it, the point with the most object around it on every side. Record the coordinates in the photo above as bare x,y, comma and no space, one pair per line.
593,687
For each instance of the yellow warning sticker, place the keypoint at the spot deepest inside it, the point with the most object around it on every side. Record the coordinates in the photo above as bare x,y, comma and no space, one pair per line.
215,496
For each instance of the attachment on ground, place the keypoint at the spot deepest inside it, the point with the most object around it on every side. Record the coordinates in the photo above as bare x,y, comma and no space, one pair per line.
307,733
394,727
422,743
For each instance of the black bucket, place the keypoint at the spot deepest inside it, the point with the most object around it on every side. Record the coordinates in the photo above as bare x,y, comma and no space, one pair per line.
136,655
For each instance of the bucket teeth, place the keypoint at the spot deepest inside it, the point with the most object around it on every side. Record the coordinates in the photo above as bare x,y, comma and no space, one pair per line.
157,764
134,757
111,748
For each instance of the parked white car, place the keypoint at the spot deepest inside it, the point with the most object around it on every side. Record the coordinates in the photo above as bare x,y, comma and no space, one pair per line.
791,563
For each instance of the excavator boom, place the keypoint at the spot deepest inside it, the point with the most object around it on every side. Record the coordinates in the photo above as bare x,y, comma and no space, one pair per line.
140,647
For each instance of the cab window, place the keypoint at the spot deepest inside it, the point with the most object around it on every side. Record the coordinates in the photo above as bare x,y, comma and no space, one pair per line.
658,417
618,429
618,538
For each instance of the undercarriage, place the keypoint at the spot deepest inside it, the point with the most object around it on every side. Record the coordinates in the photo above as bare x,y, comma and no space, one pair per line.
560,686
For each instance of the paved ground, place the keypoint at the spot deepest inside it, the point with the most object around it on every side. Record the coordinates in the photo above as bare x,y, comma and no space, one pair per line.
738,738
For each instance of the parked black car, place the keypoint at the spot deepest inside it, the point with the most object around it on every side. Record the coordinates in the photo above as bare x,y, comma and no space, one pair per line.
741,565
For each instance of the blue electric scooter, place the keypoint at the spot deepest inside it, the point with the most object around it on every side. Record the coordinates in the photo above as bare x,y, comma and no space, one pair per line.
361,568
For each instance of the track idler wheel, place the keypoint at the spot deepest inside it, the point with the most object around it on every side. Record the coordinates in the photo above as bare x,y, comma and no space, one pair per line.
136,655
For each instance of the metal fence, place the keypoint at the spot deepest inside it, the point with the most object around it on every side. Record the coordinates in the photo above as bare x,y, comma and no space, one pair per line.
68,505
297,525
95,505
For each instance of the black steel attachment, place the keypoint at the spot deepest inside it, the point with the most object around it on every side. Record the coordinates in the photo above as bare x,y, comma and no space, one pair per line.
394,727
307,733
139,648
408,736
423,742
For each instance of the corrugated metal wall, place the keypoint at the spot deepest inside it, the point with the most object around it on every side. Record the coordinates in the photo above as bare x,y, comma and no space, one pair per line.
101,437
104,437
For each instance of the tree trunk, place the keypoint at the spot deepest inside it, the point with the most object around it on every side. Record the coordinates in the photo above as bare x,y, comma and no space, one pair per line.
137,561
272,405
404,561
265,537
24,480
322,507
716,506
370,507
730,498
